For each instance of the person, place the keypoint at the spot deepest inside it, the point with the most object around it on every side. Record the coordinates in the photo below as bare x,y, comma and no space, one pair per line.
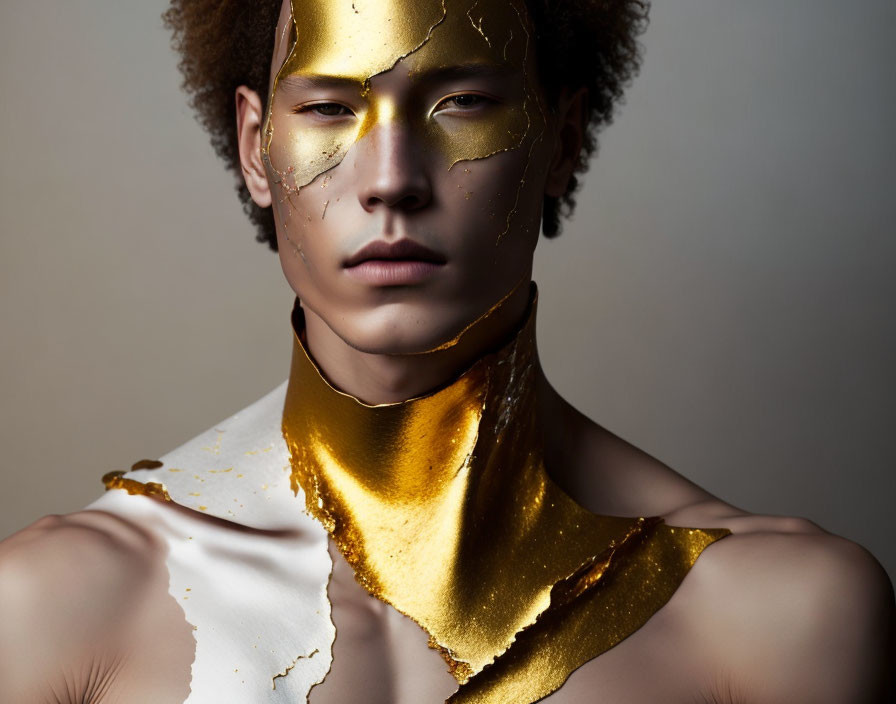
417,515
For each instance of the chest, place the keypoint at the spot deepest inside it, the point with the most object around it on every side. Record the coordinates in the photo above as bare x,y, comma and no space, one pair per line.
384,655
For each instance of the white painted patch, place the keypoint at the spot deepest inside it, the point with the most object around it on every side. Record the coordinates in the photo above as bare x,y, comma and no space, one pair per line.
248,566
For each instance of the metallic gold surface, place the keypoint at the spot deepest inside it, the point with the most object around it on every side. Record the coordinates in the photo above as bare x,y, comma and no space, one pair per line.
117,480
443,507
352,42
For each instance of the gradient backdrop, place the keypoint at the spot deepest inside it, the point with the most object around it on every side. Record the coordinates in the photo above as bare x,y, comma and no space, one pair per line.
724,297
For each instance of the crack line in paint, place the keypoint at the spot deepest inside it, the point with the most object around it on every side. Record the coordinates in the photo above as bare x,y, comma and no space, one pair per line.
535,141
478,27
291,666
526,112
366,86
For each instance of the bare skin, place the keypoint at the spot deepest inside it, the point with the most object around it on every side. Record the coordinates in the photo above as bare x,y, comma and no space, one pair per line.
779,612
86,615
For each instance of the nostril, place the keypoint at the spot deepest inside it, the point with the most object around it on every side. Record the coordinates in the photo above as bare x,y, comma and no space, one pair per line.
408,198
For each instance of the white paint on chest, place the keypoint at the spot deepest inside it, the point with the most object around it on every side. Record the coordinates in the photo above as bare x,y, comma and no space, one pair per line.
248,566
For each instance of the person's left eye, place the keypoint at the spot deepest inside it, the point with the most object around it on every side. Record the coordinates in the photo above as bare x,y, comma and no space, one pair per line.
462,102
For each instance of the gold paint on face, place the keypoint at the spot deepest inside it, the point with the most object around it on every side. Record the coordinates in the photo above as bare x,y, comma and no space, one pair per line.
352,42
444,509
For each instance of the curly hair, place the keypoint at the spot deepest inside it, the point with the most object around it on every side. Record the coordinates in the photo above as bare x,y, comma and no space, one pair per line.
224,44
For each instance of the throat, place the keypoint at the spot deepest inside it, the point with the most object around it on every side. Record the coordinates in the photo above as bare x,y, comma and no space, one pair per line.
422,496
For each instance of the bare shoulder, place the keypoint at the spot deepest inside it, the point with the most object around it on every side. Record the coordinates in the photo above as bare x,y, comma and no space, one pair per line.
68,590
779,611
88,552
71,538
787,611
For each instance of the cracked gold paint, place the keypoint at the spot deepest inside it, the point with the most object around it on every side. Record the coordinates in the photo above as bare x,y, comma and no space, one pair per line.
443,507
355,41
117,480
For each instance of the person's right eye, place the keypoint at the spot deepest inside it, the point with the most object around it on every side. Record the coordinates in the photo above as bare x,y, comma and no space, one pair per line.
324,109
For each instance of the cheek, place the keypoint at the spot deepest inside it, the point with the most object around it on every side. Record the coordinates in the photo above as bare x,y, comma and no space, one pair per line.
507,187
296,163
499,197
302,184
480,199
309,225
503,128
295,155
479,196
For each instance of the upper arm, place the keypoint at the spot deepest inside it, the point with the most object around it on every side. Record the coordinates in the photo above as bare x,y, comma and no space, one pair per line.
67,590
811,620
841,624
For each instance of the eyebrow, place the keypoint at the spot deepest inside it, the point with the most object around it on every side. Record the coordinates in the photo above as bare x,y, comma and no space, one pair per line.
459,71
305,81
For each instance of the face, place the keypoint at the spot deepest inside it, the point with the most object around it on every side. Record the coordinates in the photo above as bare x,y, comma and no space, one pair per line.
406,147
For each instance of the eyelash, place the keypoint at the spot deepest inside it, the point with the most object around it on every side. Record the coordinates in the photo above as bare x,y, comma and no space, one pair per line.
478,100
315,107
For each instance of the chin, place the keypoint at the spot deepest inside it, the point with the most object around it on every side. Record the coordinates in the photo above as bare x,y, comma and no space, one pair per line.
399,329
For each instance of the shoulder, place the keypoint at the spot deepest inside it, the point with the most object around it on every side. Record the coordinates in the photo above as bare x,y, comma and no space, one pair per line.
88,549
788,611
68,587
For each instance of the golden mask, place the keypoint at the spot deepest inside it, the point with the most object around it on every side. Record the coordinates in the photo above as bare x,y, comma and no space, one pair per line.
348,43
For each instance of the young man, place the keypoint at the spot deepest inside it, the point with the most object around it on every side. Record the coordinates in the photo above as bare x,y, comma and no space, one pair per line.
417,515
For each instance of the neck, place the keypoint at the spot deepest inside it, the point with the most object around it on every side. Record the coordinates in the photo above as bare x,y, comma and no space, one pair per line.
390,378
460,468
442,506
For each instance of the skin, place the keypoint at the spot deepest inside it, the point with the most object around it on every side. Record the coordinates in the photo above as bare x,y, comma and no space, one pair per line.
86,614
779,612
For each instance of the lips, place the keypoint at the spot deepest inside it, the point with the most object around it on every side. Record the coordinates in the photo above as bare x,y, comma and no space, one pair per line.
400,250
400,263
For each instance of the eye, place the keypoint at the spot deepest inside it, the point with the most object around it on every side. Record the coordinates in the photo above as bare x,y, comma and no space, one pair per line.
324,109
463,102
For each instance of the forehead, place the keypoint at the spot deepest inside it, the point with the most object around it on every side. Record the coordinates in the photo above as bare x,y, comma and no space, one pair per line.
359,39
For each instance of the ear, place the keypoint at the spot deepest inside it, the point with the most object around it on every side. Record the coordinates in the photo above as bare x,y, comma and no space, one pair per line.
570,126
249,120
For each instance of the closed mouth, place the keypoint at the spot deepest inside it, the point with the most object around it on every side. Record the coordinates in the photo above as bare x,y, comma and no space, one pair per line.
400,250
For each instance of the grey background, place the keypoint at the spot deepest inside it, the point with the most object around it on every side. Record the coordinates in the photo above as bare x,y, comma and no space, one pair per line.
723,298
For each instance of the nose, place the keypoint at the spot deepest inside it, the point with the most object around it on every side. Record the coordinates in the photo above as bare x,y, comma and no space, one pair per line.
392,170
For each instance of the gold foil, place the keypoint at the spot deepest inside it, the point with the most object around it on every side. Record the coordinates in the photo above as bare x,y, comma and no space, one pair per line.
117,480
443,507
352,42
